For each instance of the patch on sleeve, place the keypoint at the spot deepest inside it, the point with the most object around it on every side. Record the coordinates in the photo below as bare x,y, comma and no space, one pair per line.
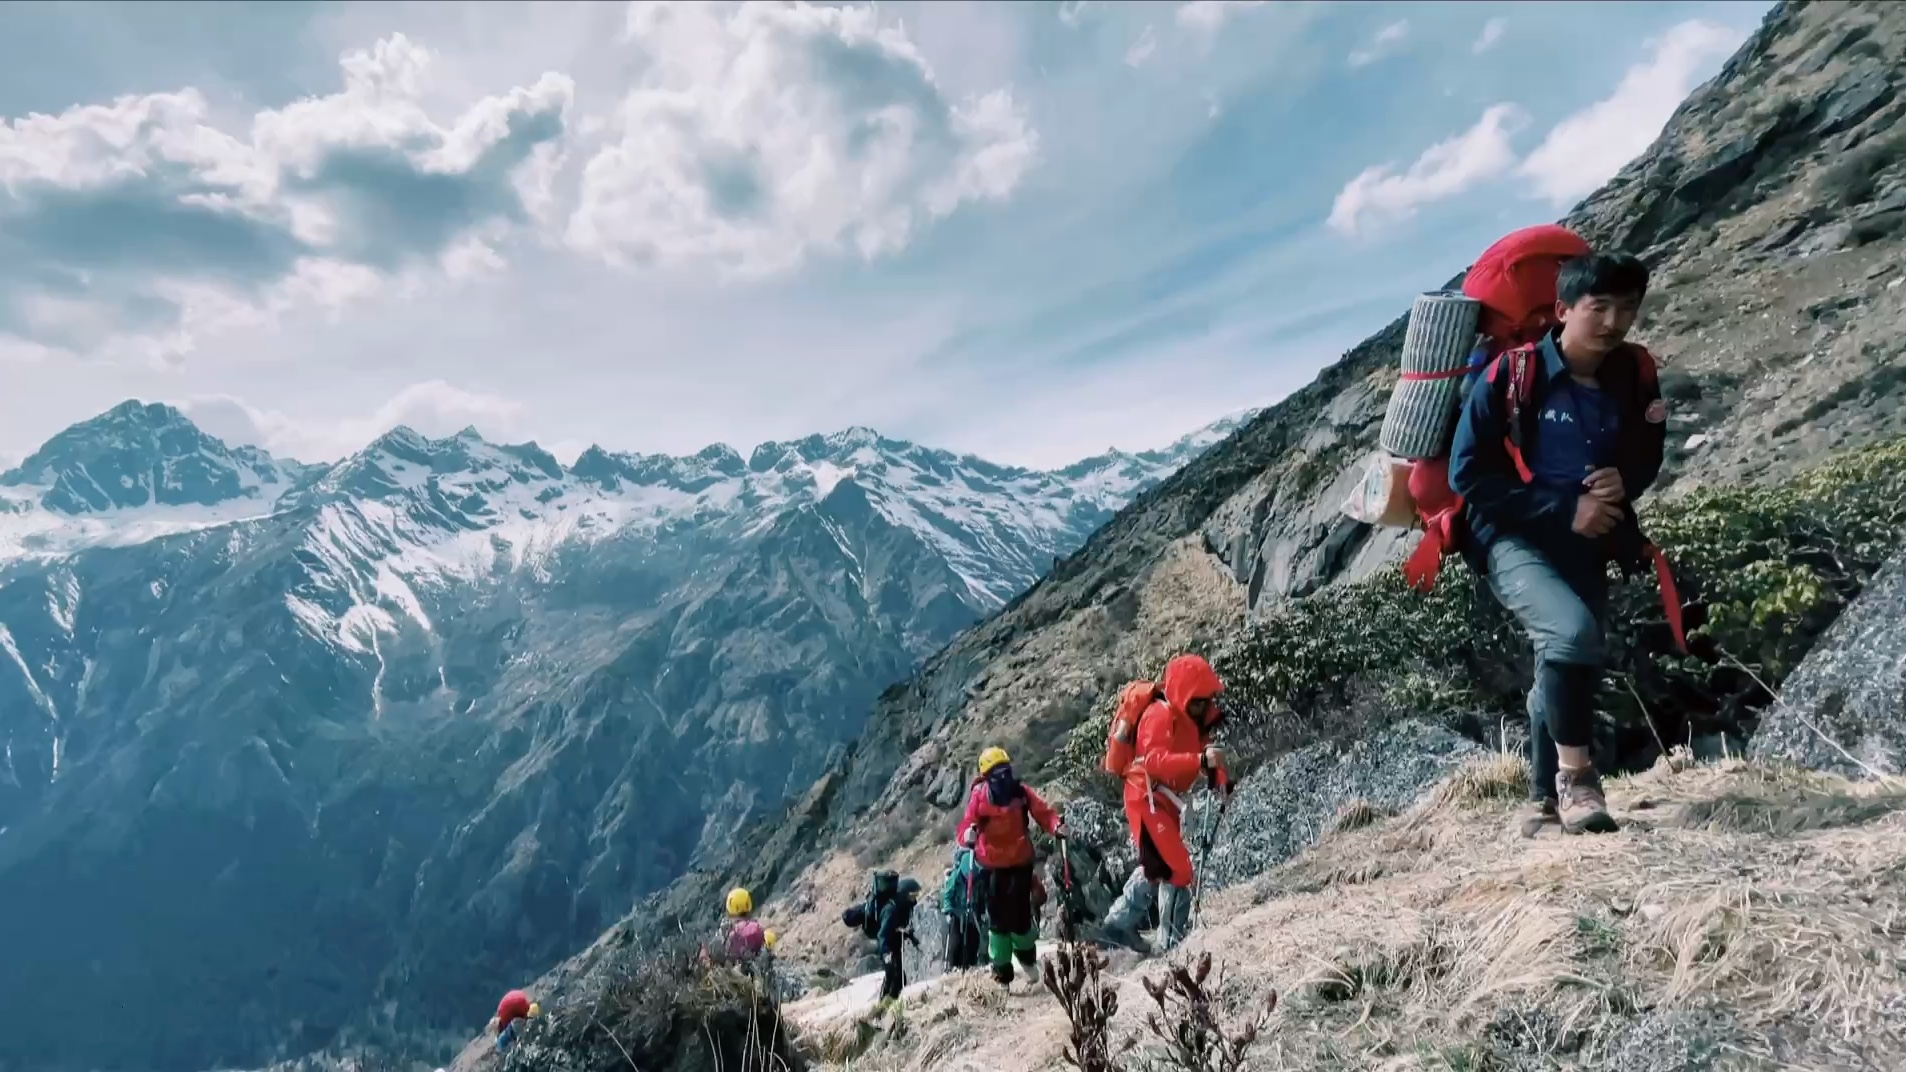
1657,411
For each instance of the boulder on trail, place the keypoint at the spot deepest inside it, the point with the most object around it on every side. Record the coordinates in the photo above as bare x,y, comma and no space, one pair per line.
1843,710
1282,810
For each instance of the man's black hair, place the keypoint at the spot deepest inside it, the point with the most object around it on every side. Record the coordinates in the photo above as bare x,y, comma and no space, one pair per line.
1602,275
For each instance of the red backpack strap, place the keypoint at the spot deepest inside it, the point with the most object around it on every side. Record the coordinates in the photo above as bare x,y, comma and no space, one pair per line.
1515,373
1648,379
1670,595
1440,537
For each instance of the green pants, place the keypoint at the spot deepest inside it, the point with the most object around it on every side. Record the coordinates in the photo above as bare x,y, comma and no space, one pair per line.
1004,947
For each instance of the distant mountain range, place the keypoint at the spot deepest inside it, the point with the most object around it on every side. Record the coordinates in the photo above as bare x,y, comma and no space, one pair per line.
284,743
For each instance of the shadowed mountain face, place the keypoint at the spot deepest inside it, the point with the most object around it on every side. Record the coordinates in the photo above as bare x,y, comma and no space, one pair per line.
284,743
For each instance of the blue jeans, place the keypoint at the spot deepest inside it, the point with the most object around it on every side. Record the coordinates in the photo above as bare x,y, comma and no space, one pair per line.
1561,610
506,1036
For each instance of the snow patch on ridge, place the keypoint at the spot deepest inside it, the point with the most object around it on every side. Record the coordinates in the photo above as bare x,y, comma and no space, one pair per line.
30,531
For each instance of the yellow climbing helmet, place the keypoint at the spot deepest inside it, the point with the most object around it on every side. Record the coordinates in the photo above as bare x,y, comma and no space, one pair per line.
771,939
993,757
740,902
535,1010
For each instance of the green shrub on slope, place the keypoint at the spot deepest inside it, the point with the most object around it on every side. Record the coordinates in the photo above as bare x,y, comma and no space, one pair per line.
1767,568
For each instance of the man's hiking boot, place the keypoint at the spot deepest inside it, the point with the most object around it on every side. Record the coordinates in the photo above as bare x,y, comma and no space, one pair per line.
1003,973
1537,814
1583,808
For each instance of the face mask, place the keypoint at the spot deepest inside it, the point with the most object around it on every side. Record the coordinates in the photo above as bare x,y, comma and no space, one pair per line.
1002,786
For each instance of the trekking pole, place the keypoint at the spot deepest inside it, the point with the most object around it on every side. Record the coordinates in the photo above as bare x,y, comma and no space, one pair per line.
1209,837
1068,927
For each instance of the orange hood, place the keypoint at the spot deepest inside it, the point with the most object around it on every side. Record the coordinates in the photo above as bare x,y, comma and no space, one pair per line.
1188,678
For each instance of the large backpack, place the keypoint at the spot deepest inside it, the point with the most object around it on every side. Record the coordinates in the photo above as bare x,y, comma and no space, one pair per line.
1515,281
886,887
1121,740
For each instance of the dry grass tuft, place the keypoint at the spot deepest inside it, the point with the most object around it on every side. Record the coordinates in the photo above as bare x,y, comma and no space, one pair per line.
1787,814
1356,815
844,1043
1489,779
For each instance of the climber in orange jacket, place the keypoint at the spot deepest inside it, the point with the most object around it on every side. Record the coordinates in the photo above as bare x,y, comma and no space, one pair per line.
1173,751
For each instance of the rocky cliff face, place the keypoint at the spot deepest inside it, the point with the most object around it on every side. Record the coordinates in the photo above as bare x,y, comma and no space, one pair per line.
290,749
1771,211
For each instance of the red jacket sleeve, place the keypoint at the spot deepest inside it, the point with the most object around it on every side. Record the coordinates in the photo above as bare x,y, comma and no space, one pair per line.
1154,742
1042,812
969,819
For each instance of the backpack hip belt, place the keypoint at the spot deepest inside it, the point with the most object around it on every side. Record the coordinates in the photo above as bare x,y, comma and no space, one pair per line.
1154,790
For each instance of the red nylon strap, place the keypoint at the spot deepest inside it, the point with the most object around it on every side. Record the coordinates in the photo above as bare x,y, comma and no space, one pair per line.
1424,563
1670,596
1450,375
1522,467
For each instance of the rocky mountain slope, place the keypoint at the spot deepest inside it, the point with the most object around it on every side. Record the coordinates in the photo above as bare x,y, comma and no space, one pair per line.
1773,210
1744,921
290,749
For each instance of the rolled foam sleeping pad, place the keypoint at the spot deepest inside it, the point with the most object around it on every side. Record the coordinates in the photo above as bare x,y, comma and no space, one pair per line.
1422,413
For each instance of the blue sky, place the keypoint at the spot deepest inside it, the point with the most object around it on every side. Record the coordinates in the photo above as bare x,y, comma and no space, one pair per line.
1026,230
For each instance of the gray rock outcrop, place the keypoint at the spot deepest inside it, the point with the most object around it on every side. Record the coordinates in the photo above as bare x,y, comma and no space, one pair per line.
1283,809
1843,709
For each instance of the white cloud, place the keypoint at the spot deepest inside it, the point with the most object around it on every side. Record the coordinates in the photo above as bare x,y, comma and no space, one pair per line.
760,135
1383,44
1492,32
1207,17
1589,147
1142,48
1071,12
1381,194
433,408
318,203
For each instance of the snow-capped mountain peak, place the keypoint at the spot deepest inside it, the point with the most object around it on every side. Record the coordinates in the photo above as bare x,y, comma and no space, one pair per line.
134,473
464,505
145,455
463,471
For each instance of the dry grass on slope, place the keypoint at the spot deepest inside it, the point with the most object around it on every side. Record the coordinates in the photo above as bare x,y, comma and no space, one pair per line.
1744,918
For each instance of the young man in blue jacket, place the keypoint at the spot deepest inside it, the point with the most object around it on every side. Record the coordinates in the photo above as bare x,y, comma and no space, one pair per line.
1550,503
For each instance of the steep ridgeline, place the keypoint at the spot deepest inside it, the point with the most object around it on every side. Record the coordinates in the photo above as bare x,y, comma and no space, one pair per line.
283,743
1772,208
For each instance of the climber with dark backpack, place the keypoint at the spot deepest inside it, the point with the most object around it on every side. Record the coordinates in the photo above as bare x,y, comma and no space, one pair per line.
1556,441
865,916
886,917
